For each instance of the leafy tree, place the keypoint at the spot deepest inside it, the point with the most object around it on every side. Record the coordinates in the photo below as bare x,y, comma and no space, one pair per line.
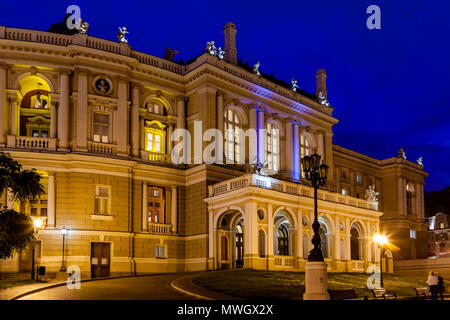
16,229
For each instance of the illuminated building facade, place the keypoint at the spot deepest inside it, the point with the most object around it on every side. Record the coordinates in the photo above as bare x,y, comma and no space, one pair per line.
96,118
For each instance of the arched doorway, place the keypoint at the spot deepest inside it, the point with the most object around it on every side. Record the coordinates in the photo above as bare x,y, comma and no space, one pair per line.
354,244
262,243
229,240
239,247
282,234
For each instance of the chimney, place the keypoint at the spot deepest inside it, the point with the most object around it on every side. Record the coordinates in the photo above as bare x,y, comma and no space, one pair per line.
321,84
230,43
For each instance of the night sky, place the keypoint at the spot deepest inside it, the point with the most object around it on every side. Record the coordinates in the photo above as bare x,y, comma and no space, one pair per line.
390,88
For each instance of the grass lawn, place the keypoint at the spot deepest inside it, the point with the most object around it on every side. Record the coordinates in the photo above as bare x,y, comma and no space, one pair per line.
252,284
5,284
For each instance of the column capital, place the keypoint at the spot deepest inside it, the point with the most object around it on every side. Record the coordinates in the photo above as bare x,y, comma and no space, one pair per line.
220,93
4,65
82,71
182,98
65,71
122,78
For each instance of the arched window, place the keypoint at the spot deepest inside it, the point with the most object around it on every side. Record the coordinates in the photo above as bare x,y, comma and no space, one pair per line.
409,196
155,107
233,128
305,148
323,240
262,243
354,244
272,147
283,241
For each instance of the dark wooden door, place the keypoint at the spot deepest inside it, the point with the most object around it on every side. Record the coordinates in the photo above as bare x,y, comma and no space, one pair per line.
100,259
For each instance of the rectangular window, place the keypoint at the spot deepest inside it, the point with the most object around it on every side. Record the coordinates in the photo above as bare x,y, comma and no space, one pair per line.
160,251
358,178
102,200
412,234
441,225
344,192
101,127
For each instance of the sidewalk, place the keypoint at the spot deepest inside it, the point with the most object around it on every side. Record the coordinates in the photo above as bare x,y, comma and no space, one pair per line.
10,293
186,286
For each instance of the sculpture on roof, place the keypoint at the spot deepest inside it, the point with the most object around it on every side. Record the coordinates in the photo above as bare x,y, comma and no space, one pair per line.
419,161
401,154
211,48
82,26
256,68
220,53
294,85
322,99
121,36
371,194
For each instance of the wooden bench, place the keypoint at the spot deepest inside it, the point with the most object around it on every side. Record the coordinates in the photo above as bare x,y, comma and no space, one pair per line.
382,293
422,292
344,294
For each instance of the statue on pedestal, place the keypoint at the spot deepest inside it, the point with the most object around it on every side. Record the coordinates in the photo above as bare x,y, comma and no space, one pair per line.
294,85
256,68
82,26
322,99
401,154
121,36
211,48
419,161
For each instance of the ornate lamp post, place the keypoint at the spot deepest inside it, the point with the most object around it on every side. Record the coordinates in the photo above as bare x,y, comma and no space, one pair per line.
64,232
381,240
37,223
316,269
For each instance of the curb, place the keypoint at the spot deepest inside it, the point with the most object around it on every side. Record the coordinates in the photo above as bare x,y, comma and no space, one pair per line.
189,293
65,282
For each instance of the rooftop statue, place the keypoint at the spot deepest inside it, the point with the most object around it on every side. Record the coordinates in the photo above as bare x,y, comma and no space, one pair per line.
371,195
220,53
322,99
294,85
82,26
419,161
170,54
211,48
121,36
401,154
256,68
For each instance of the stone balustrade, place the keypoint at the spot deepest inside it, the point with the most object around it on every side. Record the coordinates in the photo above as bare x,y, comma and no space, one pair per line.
99,147
33,143
285,187
159,228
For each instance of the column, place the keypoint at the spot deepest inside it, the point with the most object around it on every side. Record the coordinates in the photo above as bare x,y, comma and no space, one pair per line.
299,234
53,120
401,196
369,247
347,240
288,148
250,234
63,111
422,202
122,118
169,140
13,113
141,134
295,152
211,237
253,152
144,207
174,215
135,121
220,114
337,240
269,230
418,203
261,135
51,203
82,110
181,118
3,105
320,144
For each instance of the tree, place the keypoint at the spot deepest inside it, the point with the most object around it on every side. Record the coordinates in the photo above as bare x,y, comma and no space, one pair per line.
16,229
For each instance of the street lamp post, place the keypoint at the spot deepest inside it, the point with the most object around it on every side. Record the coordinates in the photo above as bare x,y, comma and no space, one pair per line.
316,269
64,232
381,240
37,223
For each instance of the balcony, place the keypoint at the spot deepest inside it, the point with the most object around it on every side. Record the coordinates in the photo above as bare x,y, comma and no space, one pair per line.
99,147
159,228
154,157
255,180
33,143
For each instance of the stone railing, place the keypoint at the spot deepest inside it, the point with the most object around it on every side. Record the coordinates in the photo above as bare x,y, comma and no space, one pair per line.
34,143
101,147
90,42
284,261
159,228
357,265
155,157
285,187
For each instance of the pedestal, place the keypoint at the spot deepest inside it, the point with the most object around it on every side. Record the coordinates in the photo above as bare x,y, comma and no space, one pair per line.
316,279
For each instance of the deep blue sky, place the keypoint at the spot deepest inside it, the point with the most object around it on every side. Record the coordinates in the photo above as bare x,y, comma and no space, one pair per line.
390,88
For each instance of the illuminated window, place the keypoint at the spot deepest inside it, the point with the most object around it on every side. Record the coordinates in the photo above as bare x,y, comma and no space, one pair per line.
102,200
155,136
358,178
272,147
409,196
344,192
160,251
154,107
101,127
441,225
233,129
412,234
155,204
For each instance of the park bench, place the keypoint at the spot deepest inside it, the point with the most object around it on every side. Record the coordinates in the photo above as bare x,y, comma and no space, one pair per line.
422,292
382,293
344,294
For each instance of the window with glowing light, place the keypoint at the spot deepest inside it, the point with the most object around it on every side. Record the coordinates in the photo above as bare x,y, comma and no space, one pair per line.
272,147
102,200
101,127
305,149
155,137
409,196
233,127
155,204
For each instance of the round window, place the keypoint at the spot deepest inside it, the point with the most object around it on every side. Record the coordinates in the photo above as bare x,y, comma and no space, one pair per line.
260,214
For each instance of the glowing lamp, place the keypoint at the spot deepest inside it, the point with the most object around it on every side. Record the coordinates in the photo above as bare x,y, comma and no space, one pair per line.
37,223
323,171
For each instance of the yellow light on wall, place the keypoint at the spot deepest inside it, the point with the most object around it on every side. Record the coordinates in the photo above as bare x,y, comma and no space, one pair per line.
37,223
380,238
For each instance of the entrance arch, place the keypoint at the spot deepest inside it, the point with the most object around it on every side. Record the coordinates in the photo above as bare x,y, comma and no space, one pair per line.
230,240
